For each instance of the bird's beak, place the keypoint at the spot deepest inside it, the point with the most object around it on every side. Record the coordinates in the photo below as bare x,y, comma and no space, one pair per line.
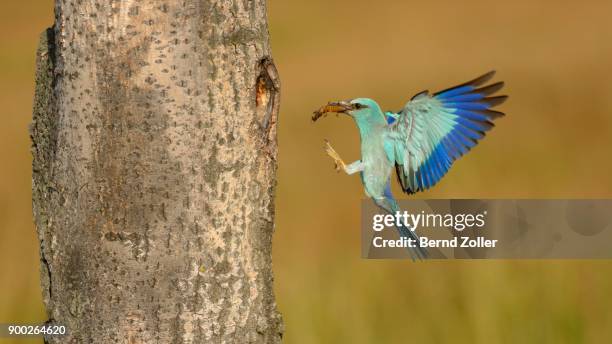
337,107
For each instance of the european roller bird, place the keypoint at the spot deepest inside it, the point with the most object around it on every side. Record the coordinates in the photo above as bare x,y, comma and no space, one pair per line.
420,142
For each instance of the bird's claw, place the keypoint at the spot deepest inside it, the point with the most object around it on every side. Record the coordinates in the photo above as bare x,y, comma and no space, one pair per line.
339,164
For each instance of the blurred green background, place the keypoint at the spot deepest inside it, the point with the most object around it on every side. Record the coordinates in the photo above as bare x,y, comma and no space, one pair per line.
555,142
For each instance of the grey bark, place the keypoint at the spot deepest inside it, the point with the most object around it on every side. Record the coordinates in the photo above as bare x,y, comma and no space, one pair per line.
154,146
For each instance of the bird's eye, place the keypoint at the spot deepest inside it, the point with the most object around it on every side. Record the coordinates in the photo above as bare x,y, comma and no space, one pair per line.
359,106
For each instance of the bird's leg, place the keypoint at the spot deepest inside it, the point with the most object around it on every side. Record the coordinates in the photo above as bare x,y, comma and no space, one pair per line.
334,155
354,167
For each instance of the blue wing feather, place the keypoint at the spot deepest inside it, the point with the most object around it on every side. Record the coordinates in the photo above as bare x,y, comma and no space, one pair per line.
466,106
475,115
465,110
455,91
462,98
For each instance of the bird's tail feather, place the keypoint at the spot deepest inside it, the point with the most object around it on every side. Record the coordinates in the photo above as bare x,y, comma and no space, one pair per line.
416,252
389,204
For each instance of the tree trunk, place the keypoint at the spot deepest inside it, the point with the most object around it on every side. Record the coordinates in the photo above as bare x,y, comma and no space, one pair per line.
154,144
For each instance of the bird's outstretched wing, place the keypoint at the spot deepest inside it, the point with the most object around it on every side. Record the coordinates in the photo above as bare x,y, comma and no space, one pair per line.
432,131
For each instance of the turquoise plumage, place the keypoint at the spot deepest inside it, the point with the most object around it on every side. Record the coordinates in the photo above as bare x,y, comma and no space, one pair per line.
420,142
